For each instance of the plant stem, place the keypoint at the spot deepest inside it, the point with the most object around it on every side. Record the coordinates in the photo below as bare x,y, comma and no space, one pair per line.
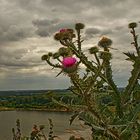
135,41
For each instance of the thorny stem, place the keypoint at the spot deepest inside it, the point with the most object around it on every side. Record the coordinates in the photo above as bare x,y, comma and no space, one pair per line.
135,72
117,97
135,41
93,79
74,79
111,83
79,40
84,60
132,81
53,65
90,108
97,59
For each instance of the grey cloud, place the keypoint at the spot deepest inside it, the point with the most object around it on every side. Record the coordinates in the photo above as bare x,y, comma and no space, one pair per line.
42,32
46,28
15,33
42,22
43,26
92,31
24,81
23,20
19,58
107,31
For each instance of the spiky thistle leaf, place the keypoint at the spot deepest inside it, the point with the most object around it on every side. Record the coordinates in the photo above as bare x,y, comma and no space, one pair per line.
131,56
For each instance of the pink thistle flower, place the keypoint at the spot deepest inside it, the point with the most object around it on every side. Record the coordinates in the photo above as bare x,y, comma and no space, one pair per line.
63,30
69,61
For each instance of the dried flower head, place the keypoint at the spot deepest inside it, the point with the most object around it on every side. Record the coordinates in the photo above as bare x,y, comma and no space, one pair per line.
105,42
132,25
64,34
57,36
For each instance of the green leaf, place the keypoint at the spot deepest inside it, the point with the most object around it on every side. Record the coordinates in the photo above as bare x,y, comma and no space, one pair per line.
131,56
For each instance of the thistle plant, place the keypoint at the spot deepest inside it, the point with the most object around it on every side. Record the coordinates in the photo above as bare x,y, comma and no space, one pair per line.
17,132
37,133
110,113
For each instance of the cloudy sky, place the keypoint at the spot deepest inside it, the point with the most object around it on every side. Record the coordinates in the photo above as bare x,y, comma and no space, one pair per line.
27,28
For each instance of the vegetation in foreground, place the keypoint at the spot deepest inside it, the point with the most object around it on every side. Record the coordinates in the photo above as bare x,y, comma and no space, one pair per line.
118,117
113,114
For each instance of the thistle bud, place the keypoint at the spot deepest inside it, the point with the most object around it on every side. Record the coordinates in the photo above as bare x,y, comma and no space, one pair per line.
65,51
57,36
132,25
79,26
71,69
50,54
93,50
70,31
44,57
56,55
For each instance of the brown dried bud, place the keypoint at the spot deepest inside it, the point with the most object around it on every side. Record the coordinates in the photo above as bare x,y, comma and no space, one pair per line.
105,42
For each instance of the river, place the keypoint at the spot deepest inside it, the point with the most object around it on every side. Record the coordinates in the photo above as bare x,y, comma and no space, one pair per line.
29,118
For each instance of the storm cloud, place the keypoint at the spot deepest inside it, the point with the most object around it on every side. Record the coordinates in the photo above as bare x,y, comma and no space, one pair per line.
27,28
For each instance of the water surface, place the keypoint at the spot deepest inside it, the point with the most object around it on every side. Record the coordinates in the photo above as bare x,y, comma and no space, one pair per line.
29,118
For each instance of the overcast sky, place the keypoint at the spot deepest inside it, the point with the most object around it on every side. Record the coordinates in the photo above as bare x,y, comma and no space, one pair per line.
27,28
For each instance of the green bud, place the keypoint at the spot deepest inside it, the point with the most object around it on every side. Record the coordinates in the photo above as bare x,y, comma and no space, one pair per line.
79,26
64,51
132,25
93,50
56,55
44,57
50,54
71,69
